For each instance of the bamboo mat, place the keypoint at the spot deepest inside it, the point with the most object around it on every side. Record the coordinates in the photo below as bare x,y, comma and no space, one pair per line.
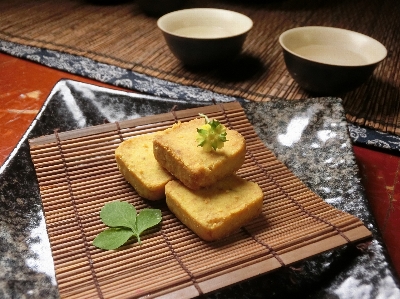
77,175
123,36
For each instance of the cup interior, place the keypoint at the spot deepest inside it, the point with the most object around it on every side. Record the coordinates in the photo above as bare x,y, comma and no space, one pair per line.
205,23
332,46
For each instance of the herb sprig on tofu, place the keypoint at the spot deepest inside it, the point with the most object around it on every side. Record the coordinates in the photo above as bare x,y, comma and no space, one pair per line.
211,135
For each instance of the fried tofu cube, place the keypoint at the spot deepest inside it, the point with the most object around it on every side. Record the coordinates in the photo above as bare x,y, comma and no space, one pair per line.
218,210
176,149
137,164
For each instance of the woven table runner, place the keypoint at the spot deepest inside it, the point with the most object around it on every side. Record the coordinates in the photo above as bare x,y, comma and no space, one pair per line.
77,175
122,35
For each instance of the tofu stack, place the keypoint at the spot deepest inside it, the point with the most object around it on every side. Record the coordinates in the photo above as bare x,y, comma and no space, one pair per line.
201,188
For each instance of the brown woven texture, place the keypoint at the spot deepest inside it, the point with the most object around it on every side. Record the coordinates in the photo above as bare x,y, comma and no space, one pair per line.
77,175
122,35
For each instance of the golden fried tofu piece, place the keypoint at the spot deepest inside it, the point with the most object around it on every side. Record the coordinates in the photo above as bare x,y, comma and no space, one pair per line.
176,149
218,210
137,164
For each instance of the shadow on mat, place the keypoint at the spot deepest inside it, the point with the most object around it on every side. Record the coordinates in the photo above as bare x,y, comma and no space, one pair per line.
242,68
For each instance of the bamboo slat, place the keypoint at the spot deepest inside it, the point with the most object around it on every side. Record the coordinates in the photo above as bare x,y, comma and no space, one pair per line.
77,176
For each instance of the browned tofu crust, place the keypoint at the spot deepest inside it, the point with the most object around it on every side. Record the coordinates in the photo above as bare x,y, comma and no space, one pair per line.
216,211
137,164
176,149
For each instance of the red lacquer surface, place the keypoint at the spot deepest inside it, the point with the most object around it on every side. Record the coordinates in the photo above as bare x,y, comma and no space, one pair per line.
25,85
380,175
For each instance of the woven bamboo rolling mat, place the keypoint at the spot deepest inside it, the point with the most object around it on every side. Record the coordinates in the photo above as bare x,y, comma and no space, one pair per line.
122,35
77,175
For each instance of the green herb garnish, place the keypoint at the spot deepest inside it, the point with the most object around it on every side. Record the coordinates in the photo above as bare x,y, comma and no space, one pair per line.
211,135
123,222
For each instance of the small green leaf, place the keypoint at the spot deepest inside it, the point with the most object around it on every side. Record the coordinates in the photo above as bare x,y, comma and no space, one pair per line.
147,218
112,238
117,213
124,223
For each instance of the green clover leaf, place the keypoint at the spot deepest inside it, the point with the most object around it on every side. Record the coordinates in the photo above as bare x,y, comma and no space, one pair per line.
124,223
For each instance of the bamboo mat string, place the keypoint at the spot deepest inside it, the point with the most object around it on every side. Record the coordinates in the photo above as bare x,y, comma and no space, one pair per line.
175,255
269,248
293,200
264,244
174,113
119,131
85,242
183,266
